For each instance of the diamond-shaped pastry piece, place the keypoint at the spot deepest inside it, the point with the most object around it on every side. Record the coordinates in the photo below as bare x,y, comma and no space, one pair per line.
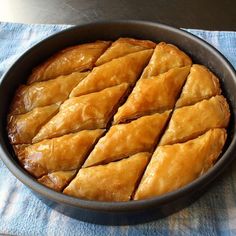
122,47
77,58
45,93
57,154
123,140
201,84
155,94
92,111
191,121
123,69
112,182
57,180
165,57
22,128
173,166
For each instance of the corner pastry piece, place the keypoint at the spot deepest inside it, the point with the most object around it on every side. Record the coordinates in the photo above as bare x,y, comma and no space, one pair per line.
58,154
22,128
165,57
78,58
57,180
174,166
155,94
201,84
92,111
122,47
123,140
191,121
45,93
112,182
123,69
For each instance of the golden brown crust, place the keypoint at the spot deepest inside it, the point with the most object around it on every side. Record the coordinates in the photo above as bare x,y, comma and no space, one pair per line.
23,128
58,154
155,94
19,150
122,47
112,182
44,93
165,57
201,84
173,166
125,69
127,139
57,180
92,111
17,102
192,121
77,58
137,42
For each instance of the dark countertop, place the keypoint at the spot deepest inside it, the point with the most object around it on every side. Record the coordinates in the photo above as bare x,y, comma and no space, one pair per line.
213,15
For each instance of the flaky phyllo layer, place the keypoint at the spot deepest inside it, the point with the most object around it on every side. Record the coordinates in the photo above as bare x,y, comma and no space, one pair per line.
118,121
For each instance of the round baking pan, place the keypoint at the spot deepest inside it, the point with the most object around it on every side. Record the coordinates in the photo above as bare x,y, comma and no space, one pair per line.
117,213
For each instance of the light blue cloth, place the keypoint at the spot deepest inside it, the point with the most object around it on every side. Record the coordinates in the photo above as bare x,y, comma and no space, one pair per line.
21,213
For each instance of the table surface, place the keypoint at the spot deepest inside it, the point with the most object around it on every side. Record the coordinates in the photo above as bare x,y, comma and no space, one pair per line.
204,14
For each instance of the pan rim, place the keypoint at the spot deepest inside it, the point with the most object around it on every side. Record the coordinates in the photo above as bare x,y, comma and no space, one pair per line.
197,184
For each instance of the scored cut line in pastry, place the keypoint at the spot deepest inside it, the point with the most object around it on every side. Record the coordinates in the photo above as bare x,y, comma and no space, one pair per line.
191,121
45,93
57,180
92,111
77,58
201,84
112,182
123,69
123,140
22,128
173,166
122,47
154,94
58,154
165,57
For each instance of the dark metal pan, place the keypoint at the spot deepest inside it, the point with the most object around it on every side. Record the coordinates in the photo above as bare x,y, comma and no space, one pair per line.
118,212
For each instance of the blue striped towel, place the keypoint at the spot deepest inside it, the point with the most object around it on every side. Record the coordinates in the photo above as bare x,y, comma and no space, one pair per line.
21,213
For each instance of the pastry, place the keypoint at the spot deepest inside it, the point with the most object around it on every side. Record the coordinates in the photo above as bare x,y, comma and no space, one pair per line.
118,121
201,84
77,58
91,111
173,166
124,69
165,57
112,182
63,153
126,139
22,128
45,93
191,121
143,99
57,180
122,47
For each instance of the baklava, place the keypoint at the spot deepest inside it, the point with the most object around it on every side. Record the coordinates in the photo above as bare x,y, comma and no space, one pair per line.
118,121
